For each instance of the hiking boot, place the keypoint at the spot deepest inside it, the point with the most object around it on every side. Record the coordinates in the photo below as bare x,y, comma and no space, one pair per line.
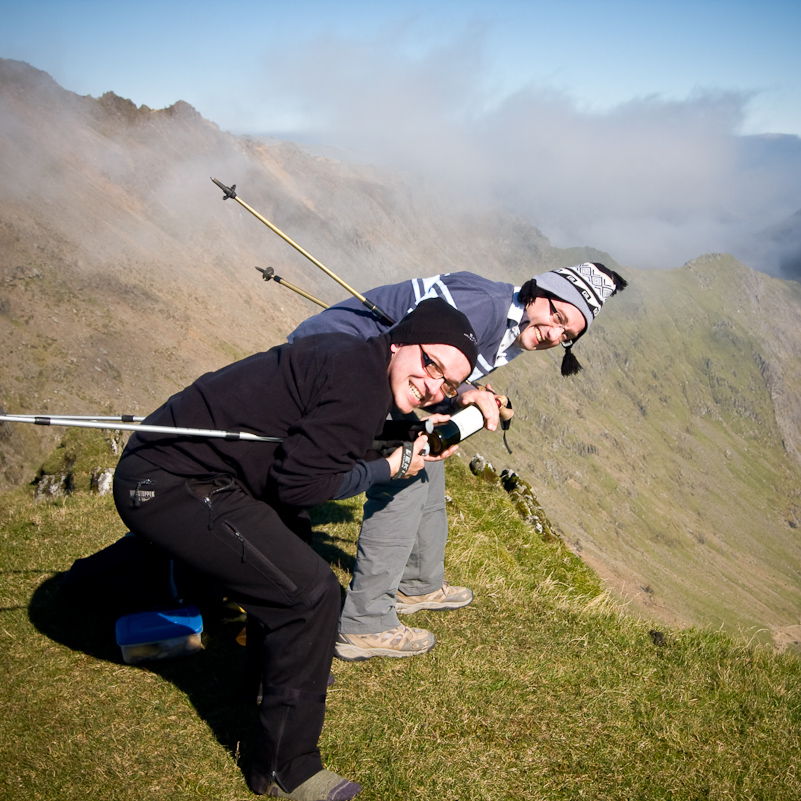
323,786
400,641
445,598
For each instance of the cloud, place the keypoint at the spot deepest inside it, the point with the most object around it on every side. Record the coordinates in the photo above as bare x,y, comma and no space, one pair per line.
653,181
781,245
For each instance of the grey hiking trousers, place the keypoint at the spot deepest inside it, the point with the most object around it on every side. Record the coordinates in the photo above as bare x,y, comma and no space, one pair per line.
401,546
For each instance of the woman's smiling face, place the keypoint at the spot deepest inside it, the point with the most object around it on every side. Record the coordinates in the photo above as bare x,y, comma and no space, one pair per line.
548,322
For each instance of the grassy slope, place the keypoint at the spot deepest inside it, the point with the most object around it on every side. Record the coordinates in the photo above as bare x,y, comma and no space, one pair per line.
667,463
542,689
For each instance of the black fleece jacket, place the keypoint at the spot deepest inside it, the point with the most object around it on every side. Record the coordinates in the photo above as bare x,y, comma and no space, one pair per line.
326,396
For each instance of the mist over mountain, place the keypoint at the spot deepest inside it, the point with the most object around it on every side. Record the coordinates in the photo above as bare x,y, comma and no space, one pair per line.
672,463
780,246
654,180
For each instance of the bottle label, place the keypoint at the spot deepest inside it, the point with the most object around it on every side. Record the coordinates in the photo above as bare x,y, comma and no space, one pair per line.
468,421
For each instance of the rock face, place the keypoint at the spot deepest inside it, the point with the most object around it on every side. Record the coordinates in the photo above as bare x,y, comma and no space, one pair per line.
103,480
53,487
60,485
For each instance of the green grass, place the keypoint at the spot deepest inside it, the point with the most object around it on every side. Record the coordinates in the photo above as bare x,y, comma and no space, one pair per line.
692,411
543,688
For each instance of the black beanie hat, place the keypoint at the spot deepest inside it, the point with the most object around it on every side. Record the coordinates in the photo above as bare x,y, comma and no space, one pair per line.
436,322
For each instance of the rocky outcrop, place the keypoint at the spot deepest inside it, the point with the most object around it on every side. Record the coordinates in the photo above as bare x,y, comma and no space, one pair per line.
520,493
83,462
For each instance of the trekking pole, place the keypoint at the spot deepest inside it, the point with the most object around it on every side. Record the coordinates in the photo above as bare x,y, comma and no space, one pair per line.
123,418
268,274
230,192
76,422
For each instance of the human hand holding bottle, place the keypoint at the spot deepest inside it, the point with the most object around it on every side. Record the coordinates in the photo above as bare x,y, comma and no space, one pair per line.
487,402
436,419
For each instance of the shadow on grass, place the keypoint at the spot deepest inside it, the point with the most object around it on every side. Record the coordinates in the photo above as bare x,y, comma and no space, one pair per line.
213,679
331,512
328,546
217,680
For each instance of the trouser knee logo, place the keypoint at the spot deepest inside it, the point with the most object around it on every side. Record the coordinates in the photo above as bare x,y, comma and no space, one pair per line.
139,495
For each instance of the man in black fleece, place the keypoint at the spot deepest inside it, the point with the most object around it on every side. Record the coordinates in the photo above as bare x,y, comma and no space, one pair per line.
235,510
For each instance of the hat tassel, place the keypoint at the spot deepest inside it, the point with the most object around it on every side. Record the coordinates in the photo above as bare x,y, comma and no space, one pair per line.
570,364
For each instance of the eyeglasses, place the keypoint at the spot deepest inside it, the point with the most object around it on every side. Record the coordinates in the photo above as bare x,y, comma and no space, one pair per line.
559,321
435,371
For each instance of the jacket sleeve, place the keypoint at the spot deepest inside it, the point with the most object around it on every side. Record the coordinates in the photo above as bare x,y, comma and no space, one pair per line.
486,304
353,317
363,476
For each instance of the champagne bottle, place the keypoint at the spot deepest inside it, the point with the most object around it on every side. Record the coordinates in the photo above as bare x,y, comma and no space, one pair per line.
459,427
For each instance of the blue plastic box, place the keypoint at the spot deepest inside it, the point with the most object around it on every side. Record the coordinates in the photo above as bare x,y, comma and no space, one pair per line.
159,635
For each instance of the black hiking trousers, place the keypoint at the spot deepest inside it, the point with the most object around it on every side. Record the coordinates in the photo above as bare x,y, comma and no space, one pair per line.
291,596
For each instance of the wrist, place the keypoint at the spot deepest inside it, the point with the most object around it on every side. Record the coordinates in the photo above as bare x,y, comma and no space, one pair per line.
406,452
394,460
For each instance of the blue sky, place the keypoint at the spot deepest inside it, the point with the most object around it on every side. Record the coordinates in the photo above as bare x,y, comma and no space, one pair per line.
597,53
631,117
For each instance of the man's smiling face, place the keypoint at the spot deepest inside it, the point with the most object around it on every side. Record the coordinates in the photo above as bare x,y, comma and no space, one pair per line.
411,384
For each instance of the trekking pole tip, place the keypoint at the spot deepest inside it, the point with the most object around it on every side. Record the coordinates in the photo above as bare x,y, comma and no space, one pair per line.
267,273
228,191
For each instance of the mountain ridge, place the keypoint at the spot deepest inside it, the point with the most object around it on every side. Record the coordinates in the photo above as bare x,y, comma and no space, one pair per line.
672,458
